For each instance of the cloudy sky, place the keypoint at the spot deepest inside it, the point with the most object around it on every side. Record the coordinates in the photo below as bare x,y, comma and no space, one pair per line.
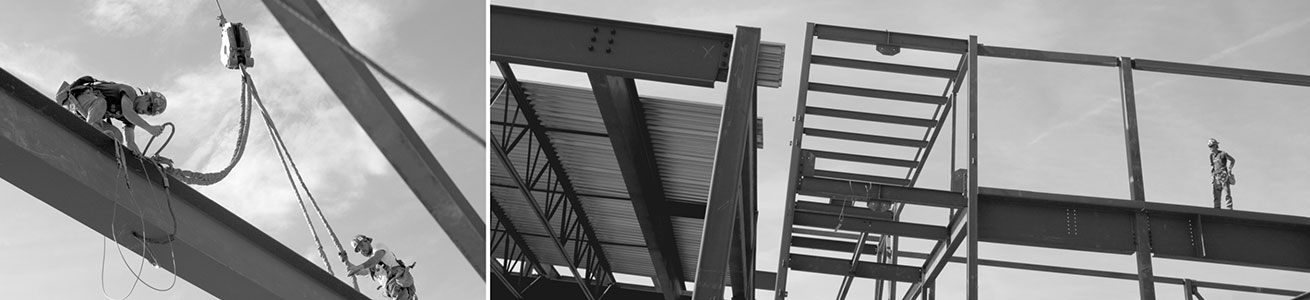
1049,127
171,46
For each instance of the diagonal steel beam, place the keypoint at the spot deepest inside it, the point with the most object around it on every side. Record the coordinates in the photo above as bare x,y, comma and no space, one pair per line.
364,97
793,167
625,120
53,156
602,270
730,157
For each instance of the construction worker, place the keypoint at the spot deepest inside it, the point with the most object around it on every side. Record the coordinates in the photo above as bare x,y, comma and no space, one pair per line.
1221,171
99,101
390,273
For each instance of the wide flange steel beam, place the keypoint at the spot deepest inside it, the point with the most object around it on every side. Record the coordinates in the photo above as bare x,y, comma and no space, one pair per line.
730,157
842,189
840,267
1107,274
364,97
1179,232
610,47
625,121
53,156
1221,72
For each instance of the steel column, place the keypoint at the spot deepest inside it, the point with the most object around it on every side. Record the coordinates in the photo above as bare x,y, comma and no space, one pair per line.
56,157
1136,187
370,105
971,272
729,159
625,121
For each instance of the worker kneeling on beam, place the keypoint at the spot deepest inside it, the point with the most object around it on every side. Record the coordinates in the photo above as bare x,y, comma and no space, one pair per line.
99,101
390,273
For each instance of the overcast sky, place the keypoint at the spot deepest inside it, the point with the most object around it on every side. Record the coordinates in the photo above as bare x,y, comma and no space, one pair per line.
1047,127
172,46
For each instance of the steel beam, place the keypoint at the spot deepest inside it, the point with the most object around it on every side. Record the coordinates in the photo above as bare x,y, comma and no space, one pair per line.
971,271
870,117
793,168
625,121
609,47
1104,225
1109,274
1136,187
364,97
1048,56
858,223
53,156
729,158
841,189
876,93
1221,72
882,67
839,267
888,38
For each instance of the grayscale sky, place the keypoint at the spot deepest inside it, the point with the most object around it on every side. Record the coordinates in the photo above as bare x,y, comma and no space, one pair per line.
172,46
1046,127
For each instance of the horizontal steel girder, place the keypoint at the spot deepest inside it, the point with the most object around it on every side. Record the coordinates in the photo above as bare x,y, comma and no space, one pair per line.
593,45
55,157
840,267
1179,232
378,116
841,189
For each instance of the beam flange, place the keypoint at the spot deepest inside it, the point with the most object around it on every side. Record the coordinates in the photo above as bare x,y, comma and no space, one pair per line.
833,266
610,47
625,121
364,98
1221,72
841,189
53,156
1104,225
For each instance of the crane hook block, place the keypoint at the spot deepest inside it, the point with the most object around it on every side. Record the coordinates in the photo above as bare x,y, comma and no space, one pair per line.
235,51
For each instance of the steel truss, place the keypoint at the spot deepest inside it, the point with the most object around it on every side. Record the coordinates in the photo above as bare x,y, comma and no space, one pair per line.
544,184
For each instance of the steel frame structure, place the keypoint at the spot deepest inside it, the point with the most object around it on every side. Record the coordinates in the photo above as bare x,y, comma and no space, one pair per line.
1027,218
56,157
616,53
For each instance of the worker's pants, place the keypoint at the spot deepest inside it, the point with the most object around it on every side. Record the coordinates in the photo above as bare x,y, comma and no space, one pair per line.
1219,191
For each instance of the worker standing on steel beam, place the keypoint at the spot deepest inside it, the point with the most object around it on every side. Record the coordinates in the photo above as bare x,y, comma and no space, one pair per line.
390,272
1221,169
99,101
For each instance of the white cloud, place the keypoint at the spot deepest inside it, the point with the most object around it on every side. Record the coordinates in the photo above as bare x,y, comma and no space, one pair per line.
134,17
39,65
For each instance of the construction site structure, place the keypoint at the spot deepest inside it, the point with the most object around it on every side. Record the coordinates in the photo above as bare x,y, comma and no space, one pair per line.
60,159
593,184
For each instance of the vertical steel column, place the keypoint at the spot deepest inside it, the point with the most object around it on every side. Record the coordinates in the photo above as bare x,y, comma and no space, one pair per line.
793,167
1145,280
729,158
972,273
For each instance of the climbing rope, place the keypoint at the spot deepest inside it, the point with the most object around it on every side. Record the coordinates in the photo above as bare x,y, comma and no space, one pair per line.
122,166
201,178
289,165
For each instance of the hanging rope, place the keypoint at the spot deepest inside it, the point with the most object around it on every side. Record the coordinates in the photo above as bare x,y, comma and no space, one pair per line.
200,178
289,165
122,165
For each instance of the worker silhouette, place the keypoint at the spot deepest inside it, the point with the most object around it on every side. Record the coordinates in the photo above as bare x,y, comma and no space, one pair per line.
390,273
98,101
1221,171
